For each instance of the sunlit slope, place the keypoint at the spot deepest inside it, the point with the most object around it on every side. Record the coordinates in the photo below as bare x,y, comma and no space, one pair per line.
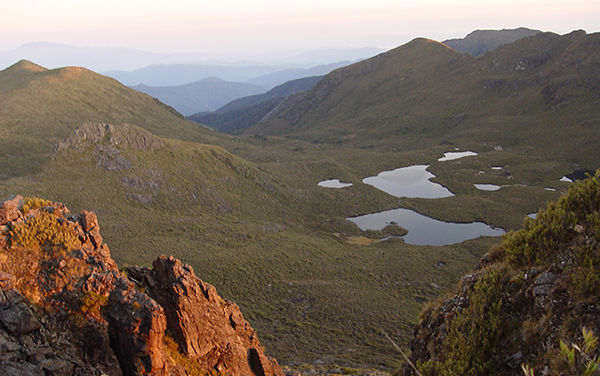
540,92
40,107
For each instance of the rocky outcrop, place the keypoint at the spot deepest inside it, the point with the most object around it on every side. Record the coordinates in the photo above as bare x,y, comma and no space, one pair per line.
108,141
125,136
207,328
65,309
136,326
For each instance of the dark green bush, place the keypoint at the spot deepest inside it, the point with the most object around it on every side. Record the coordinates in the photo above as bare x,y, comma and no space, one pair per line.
548,237
472,332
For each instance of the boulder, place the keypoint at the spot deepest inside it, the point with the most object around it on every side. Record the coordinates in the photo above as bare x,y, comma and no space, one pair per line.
9,211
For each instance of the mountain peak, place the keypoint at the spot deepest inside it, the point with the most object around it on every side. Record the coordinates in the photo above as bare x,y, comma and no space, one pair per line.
212,79
479,42
24,65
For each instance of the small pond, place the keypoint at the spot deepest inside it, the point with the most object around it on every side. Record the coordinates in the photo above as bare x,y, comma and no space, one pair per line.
452,155
423,230
333,183
487,187
412,181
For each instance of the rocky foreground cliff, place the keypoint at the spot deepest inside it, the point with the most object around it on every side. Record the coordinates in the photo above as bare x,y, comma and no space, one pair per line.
66,309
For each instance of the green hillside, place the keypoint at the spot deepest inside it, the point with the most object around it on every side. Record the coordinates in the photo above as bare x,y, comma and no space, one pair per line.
246,210
40,107
538,95
274,244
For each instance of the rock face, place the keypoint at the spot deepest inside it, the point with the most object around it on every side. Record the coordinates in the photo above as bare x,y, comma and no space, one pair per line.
65,309
212,330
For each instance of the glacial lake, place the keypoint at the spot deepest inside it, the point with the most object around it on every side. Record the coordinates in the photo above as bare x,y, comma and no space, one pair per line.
487,187
423,230
452,155
412,181
333,183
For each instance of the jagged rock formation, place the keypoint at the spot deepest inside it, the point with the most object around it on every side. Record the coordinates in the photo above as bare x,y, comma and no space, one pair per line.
213,330
540,287
65,309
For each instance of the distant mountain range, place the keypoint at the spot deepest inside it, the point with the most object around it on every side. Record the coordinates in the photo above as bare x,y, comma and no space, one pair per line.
481,41
181,74
212,93
103,59
205,95
244,112
99,59
271,80
267,76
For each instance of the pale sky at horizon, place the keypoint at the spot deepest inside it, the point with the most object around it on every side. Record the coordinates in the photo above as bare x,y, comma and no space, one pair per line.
235,26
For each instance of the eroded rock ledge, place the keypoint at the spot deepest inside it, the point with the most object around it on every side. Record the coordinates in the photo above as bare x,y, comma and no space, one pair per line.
65,309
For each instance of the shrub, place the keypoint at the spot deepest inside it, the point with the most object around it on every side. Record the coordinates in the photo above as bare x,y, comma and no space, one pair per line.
91,303
580,359
43,230
30,203
544,239
472,332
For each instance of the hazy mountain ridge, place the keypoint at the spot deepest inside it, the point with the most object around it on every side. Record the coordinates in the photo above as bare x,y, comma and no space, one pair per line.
181,74
107,59
244,112
98,59
278,78
479,42
206,95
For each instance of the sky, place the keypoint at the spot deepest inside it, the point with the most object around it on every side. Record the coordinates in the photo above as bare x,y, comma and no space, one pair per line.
244,27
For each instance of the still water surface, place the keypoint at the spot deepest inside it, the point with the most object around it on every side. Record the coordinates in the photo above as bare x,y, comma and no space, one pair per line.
423,230
412,181
452,155
487,187
333,183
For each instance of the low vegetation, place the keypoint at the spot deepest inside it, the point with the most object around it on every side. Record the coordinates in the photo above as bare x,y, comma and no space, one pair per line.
503,309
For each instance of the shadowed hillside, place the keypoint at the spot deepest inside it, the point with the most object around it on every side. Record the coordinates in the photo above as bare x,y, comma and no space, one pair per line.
539,93
244,112
529,302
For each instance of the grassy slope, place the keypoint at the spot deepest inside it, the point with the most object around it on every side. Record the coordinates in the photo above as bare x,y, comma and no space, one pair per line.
264,239
267,240
40,107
